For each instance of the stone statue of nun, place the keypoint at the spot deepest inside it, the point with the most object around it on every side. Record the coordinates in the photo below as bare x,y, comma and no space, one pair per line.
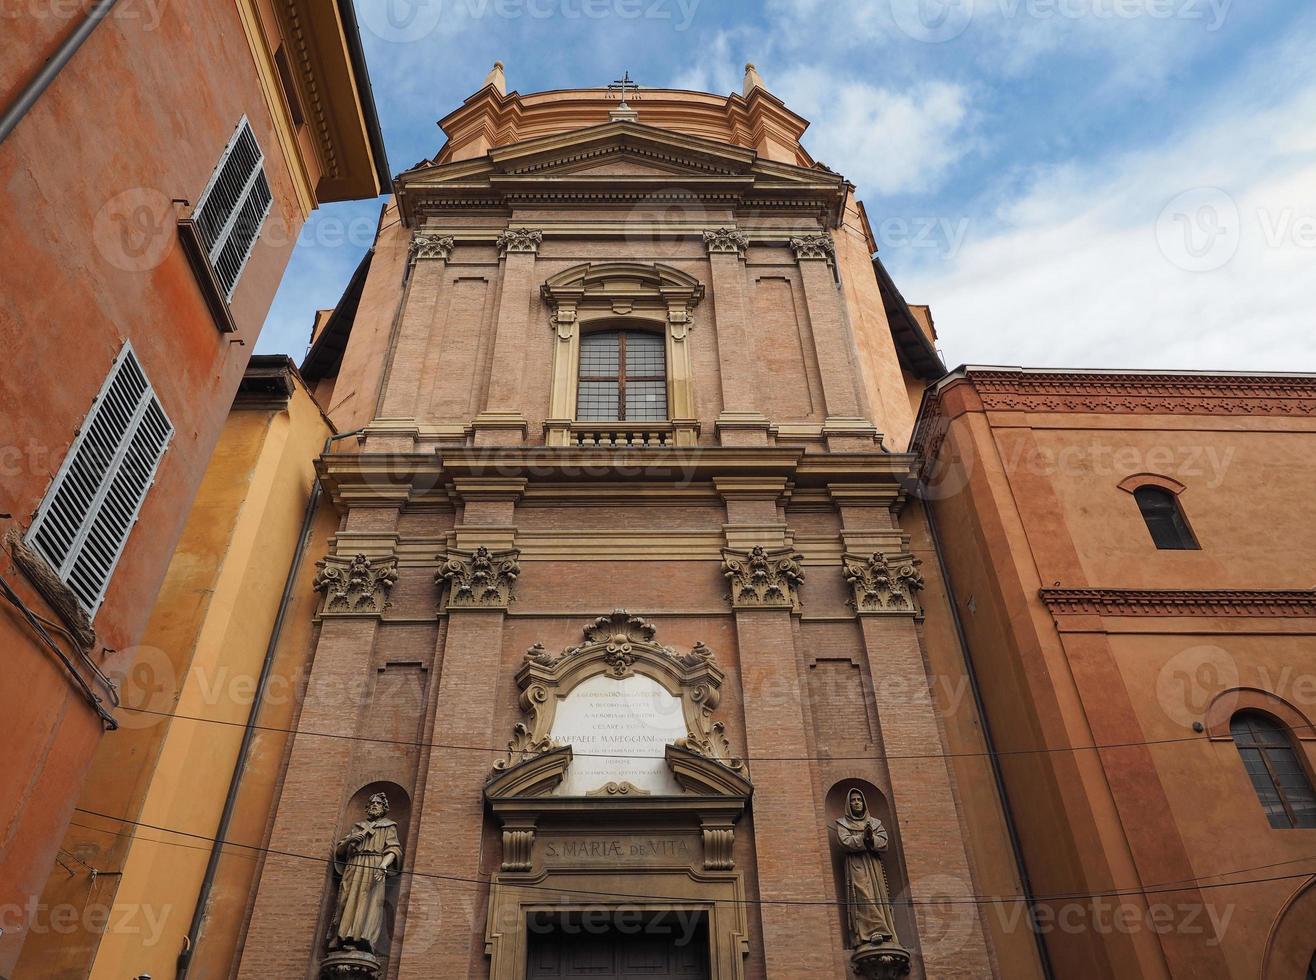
868,900
363,860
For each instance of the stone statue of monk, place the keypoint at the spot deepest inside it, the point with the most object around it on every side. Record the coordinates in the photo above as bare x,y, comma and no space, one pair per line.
868,902
362,861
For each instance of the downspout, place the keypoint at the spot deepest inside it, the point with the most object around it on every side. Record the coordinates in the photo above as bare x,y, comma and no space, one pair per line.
235,780
27,98
1011,830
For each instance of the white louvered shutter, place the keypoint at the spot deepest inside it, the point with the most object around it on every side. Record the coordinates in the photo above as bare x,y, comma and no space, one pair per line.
233,206
83,522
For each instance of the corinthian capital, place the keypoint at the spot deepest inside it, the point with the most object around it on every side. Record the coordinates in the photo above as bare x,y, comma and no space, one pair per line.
431,247
519,240
357,585
762,578
726,240
480,579
883,584
813,247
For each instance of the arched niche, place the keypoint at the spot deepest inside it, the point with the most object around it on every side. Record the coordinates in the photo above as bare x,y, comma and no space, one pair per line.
834,805
1291,945
624,296
564,851
399,810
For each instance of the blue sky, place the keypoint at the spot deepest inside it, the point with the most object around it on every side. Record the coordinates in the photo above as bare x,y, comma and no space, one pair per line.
1083,183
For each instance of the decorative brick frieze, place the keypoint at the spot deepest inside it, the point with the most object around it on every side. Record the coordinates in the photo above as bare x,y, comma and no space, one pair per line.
1180,602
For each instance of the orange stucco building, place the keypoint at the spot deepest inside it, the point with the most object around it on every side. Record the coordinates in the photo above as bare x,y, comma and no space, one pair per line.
156,165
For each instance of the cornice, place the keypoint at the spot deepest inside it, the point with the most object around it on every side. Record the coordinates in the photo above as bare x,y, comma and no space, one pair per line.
1111,393
395,479
1266,603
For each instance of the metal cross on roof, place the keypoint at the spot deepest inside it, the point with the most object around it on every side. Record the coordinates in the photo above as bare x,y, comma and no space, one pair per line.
622,84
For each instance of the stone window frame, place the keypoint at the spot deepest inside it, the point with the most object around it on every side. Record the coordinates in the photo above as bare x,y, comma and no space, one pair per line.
643,296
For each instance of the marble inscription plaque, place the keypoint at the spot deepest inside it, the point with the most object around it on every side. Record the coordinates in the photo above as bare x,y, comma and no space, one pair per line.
634,849
618,731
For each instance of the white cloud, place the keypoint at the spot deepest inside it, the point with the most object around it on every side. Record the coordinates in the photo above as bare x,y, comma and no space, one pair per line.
886,141
1194,253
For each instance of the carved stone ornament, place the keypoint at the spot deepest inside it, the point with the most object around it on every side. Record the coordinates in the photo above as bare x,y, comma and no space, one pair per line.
883,584
519,240
357,585
813,247
620,645
431,247
726,240
762,578
480,579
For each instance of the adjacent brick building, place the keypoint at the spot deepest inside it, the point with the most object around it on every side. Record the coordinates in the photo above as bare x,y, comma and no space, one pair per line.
149,199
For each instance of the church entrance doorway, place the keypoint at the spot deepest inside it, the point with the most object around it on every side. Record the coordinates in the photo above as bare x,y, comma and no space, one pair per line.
619,945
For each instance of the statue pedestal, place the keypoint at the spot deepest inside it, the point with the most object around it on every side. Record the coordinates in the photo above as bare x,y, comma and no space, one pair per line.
350,964
888,961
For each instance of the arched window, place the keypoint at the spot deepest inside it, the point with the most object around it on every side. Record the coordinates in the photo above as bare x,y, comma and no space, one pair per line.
623,377
1165,520
1276,772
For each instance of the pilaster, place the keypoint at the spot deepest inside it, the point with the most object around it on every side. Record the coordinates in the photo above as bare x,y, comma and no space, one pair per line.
429,256
503,420
844,426
799,940
741,423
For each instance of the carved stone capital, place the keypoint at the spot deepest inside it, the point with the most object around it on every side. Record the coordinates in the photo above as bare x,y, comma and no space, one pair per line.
520,240
883,584
727,241
431,247
480,579
357,585
813,247
761,578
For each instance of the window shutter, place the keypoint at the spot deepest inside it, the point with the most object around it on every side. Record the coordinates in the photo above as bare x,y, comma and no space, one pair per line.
233,206
83,522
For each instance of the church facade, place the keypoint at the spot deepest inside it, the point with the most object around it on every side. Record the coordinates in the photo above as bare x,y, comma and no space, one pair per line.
622,617
677,613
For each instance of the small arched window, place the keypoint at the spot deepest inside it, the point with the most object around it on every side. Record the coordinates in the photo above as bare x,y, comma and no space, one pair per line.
623,377
1164,517
1277,773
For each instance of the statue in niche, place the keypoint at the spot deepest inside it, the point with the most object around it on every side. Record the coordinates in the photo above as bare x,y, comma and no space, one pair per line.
362,861
878,952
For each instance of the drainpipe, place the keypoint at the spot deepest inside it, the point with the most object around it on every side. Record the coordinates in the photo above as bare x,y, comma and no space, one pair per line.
230,801
1011,830
27,98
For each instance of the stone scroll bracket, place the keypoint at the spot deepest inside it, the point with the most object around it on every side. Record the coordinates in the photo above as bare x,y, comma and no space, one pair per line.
357,586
